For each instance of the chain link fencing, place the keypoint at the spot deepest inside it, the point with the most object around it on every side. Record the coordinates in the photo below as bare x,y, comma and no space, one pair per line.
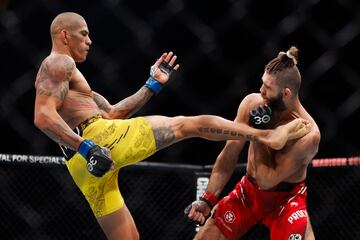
38,199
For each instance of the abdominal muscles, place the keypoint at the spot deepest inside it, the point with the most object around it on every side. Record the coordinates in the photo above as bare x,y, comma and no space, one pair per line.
78,107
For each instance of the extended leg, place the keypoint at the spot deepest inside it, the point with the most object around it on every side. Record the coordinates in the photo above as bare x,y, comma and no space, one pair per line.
169,130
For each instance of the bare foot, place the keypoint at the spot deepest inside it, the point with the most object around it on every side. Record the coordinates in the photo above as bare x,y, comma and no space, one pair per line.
295,129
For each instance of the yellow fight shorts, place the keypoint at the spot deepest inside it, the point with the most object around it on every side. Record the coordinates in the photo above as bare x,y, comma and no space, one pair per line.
130,141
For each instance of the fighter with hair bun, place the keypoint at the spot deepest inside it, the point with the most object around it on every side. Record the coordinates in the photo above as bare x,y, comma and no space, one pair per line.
273,190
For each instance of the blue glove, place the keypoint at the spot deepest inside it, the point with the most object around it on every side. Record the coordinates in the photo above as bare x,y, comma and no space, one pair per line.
98,161
153,84
260,117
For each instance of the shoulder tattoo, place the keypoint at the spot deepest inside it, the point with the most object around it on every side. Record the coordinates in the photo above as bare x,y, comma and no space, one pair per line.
102,103
54,77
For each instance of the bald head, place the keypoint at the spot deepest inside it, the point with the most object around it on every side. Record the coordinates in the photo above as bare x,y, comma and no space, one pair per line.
65,20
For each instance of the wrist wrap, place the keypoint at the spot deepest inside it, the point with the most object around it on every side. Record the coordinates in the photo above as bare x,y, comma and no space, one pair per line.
85,147
210,199
154,85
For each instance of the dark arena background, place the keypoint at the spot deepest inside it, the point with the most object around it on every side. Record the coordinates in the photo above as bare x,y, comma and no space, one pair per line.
222,47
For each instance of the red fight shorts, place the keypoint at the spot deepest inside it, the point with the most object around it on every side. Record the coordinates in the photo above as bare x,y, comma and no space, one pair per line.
282,209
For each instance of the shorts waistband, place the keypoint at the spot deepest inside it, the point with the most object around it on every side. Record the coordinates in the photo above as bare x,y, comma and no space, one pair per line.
67,152
281,187
89,121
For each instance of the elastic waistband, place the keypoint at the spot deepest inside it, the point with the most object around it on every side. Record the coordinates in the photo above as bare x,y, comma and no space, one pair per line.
68,153
281,187
89,121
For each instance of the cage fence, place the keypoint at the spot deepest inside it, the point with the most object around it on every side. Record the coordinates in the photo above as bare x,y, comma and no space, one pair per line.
40,201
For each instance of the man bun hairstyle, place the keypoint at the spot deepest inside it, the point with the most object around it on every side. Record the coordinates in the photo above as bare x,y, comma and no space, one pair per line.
284,67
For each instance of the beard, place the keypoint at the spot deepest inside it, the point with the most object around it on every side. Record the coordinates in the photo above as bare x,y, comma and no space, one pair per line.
277,103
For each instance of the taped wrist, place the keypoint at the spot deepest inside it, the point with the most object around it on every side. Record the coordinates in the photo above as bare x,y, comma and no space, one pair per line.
210,199
85,147
154,85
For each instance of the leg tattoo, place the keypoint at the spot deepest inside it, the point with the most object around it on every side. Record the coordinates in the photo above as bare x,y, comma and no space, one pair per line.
164,136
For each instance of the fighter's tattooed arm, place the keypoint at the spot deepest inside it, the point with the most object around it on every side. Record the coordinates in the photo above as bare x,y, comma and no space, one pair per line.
60,139
102,103
52,86
126,107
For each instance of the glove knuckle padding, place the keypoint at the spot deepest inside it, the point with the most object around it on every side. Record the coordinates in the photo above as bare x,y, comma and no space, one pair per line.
99,162
260,117
165,67
188,209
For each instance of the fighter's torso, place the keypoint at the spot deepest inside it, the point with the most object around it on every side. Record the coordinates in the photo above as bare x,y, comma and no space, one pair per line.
261,154
78,103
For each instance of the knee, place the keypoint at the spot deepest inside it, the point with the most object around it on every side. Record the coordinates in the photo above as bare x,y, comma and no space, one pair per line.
205,234
179,120
179,124
209,231
187,126
136,235
199,236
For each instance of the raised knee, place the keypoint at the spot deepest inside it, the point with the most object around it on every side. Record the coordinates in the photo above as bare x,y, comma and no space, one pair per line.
209,231
198,237
201,235
179,125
